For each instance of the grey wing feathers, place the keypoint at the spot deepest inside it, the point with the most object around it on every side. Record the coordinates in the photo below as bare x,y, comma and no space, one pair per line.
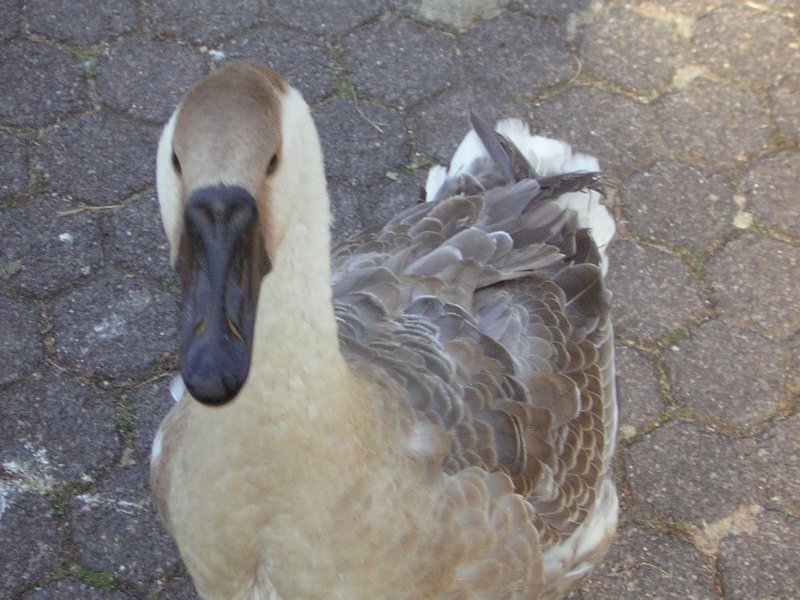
488,311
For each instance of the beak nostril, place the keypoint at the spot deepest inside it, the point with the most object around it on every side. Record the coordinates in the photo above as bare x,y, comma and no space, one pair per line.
235,330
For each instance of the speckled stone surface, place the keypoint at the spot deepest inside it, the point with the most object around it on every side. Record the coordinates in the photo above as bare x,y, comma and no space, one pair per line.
654,291
693,109
99,158
53,252
771,191
98,328
755,279
707,479
130,83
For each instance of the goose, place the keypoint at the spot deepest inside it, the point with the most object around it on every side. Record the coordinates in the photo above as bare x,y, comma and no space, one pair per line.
426,411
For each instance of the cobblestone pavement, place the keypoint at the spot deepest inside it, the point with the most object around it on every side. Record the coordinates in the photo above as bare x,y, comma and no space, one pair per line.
694,110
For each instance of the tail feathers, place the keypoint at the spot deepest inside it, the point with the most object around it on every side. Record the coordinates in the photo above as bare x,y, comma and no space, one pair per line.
545,156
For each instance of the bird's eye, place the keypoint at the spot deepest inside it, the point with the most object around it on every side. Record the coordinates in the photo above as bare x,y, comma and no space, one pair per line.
273,164
176,164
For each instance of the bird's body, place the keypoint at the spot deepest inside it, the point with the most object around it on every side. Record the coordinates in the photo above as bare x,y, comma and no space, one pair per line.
426,412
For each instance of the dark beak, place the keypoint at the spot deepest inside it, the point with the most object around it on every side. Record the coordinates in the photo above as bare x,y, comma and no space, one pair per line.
222,262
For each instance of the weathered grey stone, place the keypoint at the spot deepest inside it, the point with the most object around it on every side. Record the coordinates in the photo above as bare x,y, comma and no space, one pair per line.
20,349
140,244
748,382
517,54
638,391
771,190
117,528
762,562
647,564
73,588
756,283
81,23
179,588
653,291
747,43
338,17
778,458
150,405
457,14
204,21
29,536
691,474
398,61
50,245
346,214
631,50
786,105
40,85
619,131
441,124
557,9
678,204
308,66
14,158
99,157
115,327
56,427
360,140
148,78
384,200
713,122
11,23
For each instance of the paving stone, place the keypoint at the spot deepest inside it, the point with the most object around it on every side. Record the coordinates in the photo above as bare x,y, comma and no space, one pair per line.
778,458
644,563
29,536
179,588
148,78
49,244
399,62
678,204
786,105
631,50
762,563
81,23
204,21
346,213
557,9
354,148
638,391
73,588
14,158
382,201
115,327
40,85
338,17
616,129
53,426
441,124
653,291
494,55
458,14
140,244
150,404
20,349
11,24
756,281
117,528
749,381
99,157
308,66
690,474
771,191
713,122
749,44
